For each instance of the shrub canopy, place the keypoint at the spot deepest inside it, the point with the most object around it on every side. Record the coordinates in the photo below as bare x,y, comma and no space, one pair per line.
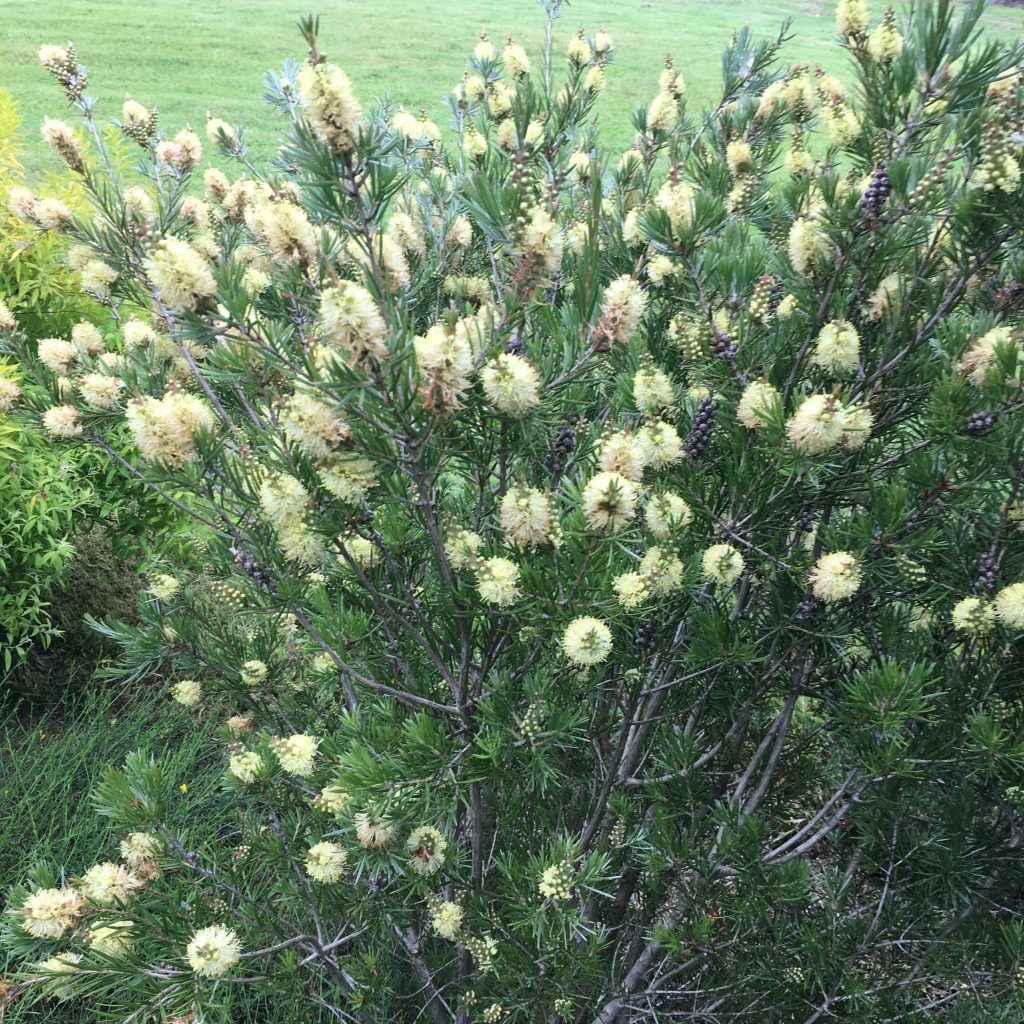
607,566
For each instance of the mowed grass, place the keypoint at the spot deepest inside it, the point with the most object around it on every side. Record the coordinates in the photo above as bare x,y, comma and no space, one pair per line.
186,57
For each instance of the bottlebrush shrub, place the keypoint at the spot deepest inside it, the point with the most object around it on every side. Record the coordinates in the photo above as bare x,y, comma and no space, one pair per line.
610,574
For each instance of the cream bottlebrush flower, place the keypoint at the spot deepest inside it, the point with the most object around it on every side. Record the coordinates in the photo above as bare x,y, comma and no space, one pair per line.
426,846
7,320
352,322
163,586
140,849
661,268
671,80
809,247
885,43
446,919
22,202
981,355
296,753
622,308
445,363
797,161
62,421
181,277
165,429
787,307
183,152
723,564
663,112
139,210
838,346
407,125
858,421
239,724
87,338
100,391
817,425
511,384
253,672
556,882
463,548
484,49
758,402
57,355
620,453
245,766
49,913
255,281
541,237
660,444
652,390
329,104
138,334
332,799
841,123
460,232
631,589
213,951
851,17
973,616
835,577
526,517
578,50
187,693
10,392
109,884
112,939
499,99
586,641
883,297
325,862
517,63
407,233
220,133
313,427
373,830
738,156
60,971
663,572
62,140
361,550
579,164
284,229
677,200
609,501
497,581
349,478
51,56
666,514
96,277
215,184
593,81
474,145
1009,606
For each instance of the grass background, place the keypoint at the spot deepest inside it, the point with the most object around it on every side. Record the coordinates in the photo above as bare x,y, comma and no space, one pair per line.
186,57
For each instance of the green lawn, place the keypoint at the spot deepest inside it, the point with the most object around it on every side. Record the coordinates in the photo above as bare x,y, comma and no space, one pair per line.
186,57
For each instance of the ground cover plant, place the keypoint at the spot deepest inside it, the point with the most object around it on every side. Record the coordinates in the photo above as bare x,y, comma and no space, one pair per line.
607,572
